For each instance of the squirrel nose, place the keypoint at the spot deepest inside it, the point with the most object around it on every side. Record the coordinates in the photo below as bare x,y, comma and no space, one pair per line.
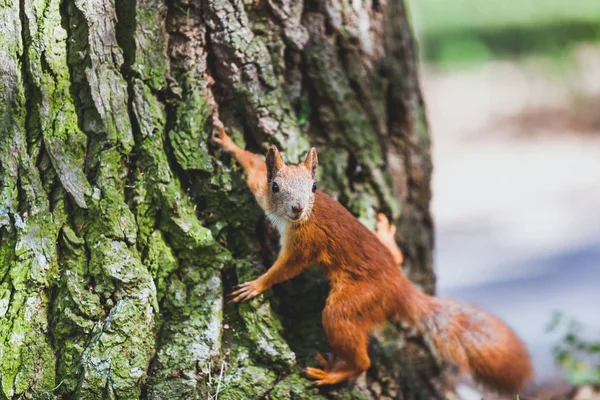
297,209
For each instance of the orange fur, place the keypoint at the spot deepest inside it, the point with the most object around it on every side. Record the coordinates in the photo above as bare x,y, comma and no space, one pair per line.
368,288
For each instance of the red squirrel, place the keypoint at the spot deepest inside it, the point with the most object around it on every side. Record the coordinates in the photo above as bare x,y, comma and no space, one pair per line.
367,284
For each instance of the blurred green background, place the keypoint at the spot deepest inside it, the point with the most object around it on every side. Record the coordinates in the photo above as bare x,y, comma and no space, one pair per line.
457,32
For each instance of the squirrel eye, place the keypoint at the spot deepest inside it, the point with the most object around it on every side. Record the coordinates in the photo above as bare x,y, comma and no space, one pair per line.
314,188
275,187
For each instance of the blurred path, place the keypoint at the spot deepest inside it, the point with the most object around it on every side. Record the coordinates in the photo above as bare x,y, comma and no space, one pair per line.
517,204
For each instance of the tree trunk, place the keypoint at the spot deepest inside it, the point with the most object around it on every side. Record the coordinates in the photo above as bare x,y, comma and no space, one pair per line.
122,227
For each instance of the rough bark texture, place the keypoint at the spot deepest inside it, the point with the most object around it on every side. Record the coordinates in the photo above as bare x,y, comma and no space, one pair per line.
121,226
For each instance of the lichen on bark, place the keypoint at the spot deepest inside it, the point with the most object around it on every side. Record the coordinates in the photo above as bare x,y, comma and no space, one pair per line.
27,230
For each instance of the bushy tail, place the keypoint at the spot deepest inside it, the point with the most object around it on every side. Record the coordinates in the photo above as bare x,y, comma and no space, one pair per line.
477,342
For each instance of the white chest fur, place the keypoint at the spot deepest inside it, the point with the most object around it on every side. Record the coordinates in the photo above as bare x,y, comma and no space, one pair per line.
281,225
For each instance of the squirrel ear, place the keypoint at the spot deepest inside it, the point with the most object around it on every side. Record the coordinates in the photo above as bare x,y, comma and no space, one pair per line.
312,161
274,162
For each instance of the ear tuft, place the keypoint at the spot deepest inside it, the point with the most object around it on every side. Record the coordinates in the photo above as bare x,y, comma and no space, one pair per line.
312,161
274,162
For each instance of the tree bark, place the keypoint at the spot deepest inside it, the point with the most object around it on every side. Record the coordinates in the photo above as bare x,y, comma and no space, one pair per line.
122,227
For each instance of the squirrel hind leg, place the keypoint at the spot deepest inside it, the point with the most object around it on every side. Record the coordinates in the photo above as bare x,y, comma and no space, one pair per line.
349,344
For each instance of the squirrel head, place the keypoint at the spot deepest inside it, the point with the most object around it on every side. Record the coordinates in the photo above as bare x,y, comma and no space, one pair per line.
291,188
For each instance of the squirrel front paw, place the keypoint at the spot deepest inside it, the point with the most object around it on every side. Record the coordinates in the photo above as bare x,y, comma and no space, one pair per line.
248,290
385,232
223,140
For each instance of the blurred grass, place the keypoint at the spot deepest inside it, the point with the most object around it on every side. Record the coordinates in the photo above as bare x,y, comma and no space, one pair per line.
462,32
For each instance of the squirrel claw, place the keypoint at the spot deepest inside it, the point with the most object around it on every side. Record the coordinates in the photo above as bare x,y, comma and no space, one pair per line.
246,291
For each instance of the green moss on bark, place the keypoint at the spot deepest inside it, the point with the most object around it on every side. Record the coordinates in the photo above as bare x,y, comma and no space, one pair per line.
263,328
190,133
245,382
182,255
53,110
28,232
295,387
